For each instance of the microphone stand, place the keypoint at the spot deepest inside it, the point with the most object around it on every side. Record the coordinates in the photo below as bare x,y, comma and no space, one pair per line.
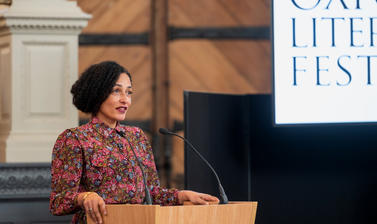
224,198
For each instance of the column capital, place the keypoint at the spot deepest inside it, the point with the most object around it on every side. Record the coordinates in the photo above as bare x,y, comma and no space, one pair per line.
43,16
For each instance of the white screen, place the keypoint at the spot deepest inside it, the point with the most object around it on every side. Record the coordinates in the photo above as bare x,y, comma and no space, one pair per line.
325,61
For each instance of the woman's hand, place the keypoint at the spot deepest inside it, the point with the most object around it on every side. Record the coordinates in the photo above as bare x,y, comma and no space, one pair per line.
196,198
93,204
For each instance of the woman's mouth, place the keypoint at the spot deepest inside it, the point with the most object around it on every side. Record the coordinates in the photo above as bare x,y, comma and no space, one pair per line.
122,109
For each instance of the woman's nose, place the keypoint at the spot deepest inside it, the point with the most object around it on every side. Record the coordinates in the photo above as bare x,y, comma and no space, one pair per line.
124,98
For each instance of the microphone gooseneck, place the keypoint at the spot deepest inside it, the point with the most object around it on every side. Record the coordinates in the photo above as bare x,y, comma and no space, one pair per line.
148,198
224,198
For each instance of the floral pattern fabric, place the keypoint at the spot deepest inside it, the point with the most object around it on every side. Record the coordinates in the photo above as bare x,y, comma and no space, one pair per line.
94,157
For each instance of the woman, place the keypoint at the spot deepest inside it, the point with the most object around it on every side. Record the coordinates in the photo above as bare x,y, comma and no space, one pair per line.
94,164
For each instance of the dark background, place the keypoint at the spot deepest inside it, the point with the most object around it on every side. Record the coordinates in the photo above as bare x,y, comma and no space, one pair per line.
298,174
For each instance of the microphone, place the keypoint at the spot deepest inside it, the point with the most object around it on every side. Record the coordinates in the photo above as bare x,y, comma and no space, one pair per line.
148,198
224,198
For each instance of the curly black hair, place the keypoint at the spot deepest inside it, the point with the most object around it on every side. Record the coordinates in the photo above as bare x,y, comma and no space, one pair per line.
95,85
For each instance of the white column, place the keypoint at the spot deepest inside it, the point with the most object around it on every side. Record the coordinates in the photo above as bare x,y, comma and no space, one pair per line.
38,65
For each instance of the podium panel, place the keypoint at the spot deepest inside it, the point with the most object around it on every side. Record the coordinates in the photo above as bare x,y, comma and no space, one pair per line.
234,212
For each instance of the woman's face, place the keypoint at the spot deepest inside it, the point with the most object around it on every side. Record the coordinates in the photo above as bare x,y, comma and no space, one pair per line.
115,107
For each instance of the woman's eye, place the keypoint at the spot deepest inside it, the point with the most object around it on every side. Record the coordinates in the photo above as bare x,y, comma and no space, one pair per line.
119,91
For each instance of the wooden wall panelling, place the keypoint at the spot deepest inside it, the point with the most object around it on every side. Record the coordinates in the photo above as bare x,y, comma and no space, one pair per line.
211,13
114,16
252,60
236,66
217,66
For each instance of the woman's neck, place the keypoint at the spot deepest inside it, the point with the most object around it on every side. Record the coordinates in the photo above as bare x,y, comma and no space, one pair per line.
109,122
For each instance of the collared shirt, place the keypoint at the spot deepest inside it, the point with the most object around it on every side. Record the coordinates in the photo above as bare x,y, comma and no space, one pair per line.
95,157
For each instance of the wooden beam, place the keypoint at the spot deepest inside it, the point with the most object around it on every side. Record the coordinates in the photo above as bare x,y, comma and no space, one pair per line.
160,88
221,33
174,33
5,2
114,39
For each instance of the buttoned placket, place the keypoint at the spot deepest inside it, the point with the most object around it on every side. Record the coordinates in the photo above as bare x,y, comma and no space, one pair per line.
102,129
134,166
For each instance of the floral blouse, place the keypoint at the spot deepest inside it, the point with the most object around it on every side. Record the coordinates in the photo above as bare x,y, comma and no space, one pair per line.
94,157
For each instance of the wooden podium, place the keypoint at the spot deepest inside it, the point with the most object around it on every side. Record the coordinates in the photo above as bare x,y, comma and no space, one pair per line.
234,212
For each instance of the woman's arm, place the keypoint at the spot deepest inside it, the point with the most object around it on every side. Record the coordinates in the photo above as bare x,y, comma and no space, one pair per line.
66,171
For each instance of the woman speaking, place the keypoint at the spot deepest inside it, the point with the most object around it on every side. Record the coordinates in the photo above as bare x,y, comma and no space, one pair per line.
96,163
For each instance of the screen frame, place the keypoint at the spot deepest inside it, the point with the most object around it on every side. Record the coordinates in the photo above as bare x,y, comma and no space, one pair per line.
273,98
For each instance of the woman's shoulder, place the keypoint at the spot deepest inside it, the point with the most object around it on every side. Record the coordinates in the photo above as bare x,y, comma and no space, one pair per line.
67,134
74,132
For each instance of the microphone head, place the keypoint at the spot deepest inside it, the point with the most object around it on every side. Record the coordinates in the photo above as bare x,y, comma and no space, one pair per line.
164,131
